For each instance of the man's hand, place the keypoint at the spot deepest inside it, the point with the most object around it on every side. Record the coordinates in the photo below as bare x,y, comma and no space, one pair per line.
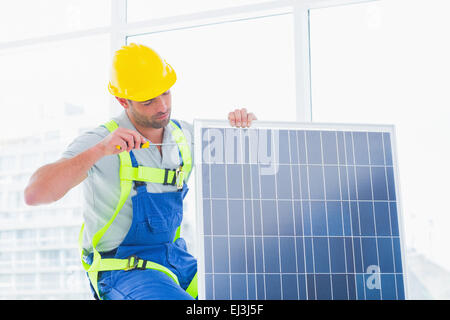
126,139
240,118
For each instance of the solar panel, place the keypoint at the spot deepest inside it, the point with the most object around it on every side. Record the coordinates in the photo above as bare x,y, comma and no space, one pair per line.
298,211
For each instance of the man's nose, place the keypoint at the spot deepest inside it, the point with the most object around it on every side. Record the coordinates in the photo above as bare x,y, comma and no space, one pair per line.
162,105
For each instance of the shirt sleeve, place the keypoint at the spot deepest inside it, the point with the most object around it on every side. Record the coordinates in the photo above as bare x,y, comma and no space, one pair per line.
85,141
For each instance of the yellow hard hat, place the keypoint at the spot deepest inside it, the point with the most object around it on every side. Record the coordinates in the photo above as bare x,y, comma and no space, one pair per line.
138,73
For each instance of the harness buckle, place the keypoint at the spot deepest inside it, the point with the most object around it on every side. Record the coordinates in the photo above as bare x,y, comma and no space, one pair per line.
133,263
179,178
166,176
138,184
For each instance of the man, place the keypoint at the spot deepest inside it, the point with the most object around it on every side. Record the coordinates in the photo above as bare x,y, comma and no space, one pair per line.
133,195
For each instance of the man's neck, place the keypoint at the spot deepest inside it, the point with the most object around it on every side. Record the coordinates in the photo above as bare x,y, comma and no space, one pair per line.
151,134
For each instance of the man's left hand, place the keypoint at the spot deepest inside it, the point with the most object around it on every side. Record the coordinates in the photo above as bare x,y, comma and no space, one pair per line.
241,118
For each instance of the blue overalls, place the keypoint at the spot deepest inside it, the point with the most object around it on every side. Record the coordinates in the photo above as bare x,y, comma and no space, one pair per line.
150,241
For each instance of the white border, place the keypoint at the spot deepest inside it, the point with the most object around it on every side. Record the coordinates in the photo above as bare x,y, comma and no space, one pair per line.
199,124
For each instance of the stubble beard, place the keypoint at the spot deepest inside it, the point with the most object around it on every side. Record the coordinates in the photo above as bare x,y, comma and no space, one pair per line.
145,122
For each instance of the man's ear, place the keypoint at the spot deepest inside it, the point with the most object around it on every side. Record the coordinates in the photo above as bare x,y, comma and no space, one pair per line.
123,102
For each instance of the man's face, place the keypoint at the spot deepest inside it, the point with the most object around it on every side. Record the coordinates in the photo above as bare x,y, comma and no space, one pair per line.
153,113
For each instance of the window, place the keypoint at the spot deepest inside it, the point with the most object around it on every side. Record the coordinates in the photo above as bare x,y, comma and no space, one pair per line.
23,19
221,67
25,281
49,236
5,284
41,79
224,66
25,238
50,258
7,163
29,161
6,259
54,62
387,62
50,281
26,260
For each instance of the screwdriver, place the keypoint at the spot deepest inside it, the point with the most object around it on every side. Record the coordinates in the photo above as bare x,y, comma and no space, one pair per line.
143,145
147,145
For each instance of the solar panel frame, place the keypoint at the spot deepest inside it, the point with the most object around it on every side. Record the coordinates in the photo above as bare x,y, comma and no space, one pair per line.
200,124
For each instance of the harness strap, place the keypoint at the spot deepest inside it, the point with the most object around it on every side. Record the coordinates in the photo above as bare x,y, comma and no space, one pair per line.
125,189
192,288
111,125
134,263
185,151
148,174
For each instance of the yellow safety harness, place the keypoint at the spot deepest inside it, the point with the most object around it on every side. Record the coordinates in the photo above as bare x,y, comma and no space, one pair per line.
128,174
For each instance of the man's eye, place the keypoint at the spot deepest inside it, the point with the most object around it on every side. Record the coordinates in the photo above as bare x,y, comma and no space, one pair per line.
148,103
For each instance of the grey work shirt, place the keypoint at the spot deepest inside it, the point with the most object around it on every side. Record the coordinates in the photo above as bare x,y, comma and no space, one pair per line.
101,189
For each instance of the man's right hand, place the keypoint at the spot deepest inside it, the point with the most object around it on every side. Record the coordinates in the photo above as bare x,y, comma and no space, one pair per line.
126,139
